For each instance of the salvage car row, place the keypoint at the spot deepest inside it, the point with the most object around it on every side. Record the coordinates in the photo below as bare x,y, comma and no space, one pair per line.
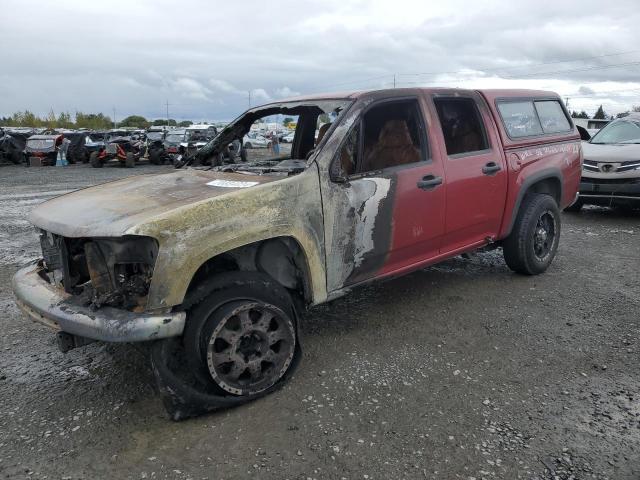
126,146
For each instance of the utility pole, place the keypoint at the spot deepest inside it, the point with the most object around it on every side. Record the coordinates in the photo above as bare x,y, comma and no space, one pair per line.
114,117
167,104
249,98
394,80
566,102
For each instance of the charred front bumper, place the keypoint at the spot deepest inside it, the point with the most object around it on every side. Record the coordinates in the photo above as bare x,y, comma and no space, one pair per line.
50,305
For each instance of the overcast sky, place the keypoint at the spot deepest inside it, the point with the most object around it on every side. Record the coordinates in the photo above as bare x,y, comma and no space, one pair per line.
204,57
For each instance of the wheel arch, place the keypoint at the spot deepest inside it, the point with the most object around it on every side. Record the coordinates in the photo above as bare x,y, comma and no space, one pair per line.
547,181
282,258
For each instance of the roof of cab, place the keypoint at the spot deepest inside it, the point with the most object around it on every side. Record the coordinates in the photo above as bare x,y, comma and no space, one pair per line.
488,93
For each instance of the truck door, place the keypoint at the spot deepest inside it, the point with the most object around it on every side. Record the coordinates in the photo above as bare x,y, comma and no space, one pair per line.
383,197
475,170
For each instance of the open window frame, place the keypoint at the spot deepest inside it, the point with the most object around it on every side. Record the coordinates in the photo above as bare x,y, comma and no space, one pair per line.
425,150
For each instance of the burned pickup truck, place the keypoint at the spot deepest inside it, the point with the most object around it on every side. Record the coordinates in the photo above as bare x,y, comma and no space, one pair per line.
214,266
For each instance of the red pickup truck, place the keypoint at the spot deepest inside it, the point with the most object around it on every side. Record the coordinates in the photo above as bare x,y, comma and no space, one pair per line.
216,264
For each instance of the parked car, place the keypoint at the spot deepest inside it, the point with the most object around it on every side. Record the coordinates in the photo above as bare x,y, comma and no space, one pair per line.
611,169
118,145
288,138
173,140
255,140
155,146
12,145
43,149
76,150
216,267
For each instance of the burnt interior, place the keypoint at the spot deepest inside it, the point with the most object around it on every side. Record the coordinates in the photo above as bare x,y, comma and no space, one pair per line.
105,271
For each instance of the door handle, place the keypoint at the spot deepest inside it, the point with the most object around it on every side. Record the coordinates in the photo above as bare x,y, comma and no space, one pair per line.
429,181
491,168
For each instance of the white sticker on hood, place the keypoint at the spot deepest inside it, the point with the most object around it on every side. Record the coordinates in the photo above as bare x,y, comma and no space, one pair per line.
231,184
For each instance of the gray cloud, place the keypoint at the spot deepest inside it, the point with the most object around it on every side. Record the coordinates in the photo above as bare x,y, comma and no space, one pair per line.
205,58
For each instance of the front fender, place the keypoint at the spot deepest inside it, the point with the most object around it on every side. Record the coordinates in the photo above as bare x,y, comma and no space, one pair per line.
191,235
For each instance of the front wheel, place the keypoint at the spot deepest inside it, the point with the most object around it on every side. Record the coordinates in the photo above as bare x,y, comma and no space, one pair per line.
533,242
241,340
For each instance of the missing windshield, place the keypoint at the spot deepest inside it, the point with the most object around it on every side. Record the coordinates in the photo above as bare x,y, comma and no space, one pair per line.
276,138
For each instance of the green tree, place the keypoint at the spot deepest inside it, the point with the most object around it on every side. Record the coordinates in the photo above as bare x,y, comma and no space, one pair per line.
600,114
287,121
185,123
622,114
582,114
64,120
136,121
93,121
159,122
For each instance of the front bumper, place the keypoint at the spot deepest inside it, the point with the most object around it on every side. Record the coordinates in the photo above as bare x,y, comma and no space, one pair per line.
600,192
53,307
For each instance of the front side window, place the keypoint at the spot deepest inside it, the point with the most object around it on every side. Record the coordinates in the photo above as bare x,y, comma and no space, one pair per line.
392,135
462,126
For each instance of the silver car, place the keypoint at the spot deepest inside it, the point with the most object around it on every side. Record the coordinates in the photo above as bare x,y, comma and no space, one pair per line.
611,169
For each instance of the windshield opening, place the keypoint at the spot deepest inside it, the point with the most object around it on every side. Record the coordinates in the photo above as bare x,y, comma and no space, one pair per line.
155,135
268,135
619,131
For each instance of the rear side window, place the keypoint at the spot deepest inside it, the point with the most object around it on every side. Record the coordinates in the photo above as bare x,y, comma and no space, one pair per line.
552,117
462,126
529,118
520,119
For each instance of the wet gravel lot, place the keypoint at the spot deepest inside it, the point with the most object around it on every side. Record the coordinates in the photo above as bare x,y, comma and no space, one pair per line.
463,370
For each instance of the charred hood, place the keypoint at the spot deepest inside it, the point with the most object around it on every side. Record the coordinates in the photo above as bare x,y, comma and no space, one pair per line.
111,209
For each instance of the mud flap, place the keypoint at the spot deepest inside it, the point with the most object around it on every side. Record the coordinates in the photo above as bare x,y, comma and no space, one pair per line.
183,396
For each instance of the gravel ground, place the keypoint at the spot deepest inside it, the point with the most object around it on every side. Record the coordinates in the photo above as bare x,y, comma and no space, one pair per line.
463,370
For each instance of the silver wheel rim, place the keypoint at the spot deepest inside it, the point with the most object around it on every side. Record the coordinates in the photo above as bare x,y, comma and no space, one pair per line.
544,235
251,348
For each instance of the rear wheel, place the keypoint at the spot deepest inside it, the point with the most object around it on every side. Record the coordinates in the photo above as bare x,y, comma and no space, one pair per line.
17,157
533,242
155,156
241,340
94,160
130,161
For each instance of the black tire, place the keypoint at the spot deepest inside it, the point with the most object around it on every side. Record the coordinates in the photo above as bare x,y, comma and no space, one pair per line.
533,242
94,160
130,161
71,156
155,156
216,329
248,145
575,206
17,157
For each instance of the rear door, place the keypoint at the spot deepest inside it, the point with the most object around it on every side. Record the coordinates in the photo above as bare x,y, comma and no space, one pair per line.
475,169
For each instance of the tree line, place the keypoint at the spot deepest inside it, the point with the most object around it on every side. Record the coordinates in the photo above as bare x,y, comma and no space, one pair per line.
602,115
92,121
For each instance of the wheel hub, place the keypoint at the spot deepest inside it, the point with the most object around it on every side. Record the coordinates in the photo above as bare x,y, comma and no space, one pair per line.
544,235
250,348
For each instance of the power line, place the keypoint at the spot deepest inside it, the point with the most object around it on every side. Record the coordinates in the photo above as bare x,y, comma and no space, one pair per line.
495,69
597,67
